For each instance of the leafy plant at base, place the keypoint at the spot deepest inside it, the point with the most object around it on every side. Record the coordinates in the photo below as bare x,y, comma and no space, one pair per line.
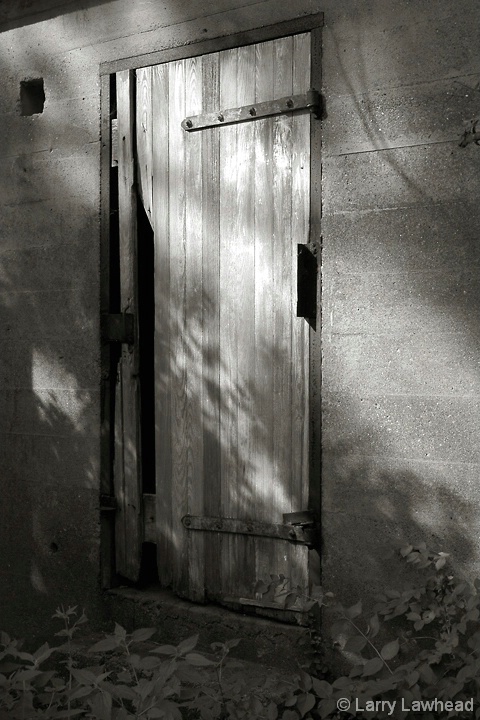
136,678
420,644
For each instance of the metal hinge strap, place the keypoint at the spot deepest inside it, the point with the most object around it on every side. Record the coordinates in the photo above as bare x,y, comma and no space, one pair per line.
292,103
296,534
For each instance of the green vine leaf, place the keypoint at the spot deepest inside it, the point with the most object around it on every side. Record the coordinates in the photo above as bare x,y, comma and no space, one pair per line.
390,650
352,612
372,667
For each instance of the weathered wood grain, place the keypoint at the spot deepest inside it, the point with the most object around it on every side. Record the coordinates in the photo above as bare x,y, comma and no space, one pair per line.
282,291
227,205
144,120
193,330
129,531
229,438
178,319
162,348
242,255
262,447
211,320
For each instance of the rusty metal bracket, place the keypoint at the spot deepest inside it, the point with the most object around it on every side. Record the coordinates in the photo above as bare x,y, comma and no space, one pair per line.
310,100
118,327
291,533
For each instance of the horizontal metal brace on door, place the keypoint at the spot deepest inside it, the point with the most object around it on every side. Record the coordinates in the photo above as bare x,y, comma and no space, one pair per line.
296,534
118,327
311,100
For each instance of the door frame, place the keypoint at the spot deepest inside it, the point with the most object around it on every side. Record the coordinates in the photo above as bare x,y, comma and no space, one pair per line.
109,263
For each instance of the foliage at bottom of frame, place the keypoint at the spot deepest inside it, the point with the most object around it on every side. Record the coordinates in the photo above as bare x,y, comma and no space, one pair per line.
417,654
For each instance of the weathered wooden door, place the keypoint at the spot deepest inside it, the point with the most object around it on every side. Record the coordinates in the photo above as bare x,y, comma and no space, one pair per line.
229,204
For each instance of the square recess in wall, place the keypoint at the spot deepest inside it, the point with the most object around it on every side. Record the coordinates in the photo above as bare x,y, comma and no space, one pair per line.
32,96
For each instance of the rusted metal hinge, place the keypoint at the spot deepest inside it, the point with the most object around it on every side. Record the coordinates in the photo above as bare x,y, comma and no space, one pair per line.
292,533
118,327
310,100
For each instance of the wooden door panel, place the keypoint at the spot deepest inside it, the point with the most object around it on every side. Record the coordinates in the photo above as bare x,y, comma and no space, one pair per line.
229,205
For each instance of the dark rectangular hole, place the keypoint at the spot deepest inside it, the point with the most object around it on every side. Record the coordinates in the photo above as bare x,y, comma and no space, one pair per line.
32,96
306,282
146,319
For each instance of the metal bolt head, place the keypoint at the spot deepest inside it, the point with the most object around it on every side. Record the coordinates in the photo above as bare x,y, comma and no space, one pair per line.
252,111
187,522
189,123
220,117
290,103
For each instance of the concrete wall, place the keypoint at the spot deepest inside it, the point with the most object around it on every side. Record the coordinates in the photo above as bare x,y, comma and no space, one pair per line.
400,267
401,221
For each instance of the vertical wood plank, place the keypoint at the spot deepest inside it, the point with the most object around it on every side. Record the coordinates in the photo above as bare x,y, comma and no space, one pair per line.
262,451
229,440
282,293
243,256
144,137
193,331
128,490
179,327
211,322
163,329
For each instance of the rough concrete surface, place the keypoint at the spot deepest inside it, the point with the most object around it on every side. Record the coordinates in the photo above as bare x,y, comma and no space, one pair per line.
264,641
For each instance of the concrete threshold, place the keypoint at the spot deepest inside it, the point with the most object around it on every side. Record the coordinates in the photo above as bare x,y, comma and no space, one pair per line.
265,641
